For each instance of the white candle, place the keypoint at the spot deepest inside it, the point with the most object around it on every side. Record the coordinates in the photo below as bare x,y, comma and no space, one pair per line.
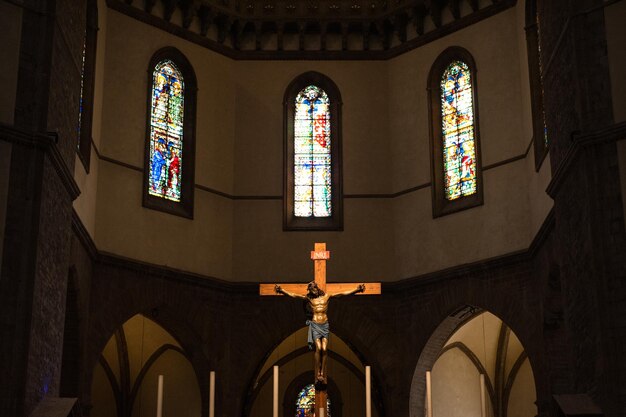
275,411
483,403
212,394
429,396
160,397
368,391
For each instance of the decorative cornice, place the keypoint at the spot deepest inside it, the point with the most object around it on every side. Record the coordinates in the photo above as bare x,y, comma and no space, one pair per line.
173,274
241,27
612,133
48,143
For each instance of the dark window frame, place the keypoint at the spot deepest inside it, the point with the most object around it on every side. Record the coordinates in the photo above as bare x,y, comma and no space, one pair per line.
290,221
88,75
442,206
541,149
185,207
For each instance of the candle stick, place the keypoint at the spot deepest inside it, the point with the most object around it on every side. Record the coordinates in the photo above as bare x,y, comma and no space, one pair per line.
212,394
483,403
429,396
159,412
368,391
275,411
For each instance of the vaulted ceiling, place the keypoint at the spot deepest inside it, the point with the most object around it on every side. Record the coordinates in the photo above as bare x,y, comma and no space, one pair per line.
310,29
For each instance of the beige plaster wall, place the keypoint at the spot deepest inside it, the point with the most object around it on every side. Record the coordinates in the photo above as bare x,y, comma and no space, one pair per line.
523,395
456,380
11,34
362,251
123,226
385,150
85,204
181,393
499,226
456,387
480,335
102,397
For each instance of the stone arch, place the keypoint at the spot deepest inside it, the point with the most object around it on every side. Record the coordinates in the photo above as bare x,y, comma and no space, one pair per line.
438,344
258,379
126,386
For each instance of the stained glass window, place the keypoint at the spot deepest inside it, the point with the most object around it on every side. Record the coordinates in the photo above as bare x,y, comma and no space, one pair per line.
312,154
543,111
166,131
81,102
459,154
305,403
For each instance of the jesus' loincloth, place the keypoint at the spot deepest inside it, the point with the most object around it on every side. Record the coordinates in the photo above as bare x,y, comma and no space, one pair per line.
317,331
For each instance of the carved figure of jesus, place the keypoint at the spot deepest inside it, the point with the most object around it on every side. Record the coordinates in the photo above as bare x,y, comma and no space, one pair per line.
318,327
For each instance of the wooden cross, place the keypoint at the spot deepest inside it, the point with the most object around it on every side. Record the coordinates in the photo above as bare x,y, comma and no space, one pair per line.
319,256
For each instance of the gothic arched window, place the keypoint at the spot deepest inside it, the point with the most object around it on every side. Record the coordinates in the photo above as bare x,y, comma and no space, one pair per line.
535,67
87,83
305,402
312,195
170,144
457,176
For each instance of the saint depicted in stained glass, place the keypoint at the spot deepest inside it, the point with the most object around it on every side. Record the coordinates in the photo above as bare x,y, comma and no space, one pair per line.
305,403
166,131
459,155
312,158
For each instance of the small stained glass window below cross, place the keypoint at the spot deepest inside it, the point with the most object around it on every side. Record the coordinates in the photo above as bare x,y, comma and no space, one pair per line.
305,402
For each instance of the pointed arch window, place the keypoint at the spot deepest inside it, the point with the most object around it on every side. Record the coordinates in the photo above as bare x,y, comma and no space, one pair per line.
170,142
312,195
457,176
87,83
541,142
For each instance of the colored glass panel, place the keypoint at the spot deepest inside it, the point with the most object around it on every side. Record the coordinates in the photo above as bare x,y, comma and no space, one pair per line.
459,156
543,112
312,158
166,131
305,403
82,82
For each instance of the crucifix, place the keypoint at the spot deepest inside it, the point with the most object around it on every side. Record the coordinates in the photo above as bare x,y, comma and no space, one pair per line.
318,293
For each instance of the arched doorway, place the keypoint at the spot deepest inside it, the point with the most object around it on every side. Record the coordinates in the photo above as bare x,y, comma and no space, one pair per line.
346,388
126,376
468,344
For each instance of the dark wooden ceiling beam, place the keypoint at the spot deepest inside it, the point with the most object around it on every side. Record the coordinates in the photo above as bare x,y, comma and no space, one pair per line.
419,14
188,10
400,23
205,15
435,13
168,9
379,27
367,30
148,5
455,9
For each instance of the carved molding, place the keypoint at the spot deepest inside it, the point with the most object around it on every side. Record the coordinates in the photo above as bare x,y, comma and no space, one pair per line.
313,29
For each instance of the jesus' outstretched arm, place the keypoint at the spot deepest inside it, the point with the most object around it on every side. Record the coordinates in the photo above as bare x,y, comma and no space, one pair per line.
358,289
279,290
